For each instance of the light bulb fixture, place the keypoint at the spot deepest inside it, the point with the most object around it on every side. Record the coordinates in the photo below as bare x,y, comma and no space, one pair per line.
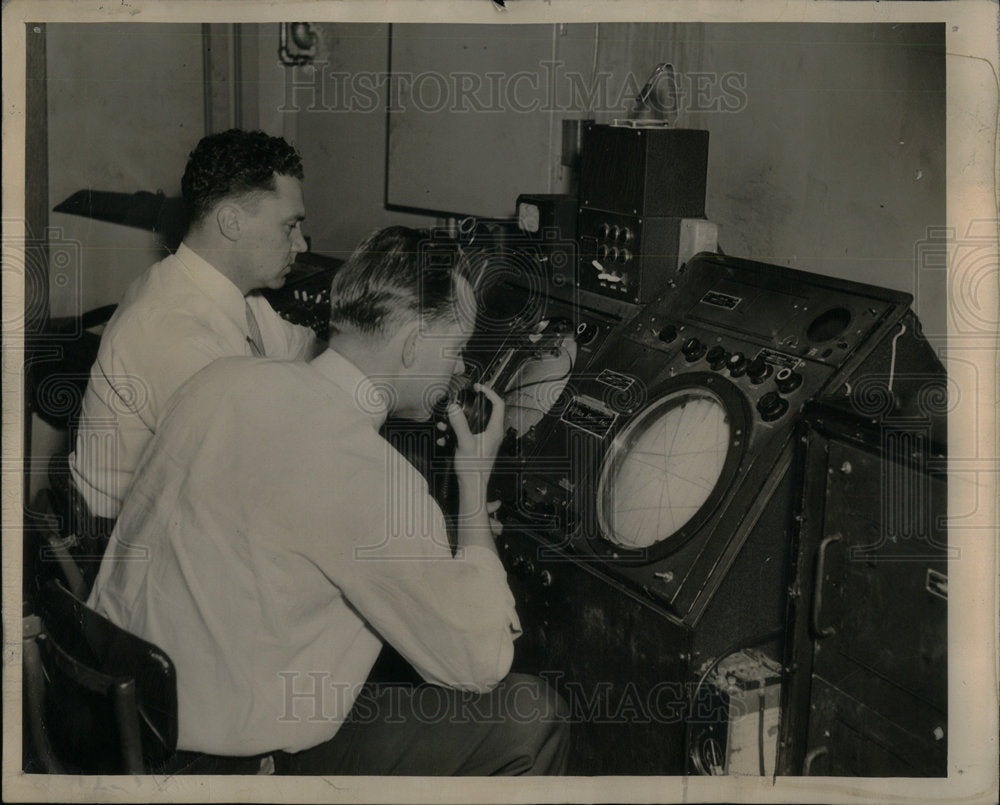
298,44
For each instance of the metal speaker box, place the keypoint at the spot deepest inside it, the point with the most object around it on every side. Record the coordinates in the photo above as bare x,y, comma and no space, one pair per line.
648,172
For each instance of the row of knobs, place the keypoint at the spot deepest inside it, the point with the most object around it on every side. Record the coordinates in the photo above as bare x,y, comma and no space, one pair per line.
772,405
613,254
615,232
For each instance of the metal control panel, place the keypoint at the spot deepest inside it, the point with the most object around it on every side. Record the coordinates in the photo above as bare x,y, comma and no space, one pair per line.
745,343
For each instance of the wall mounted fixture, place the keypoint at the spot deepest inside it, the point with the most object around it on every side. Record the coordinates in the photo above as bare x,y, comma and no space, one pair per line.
298,44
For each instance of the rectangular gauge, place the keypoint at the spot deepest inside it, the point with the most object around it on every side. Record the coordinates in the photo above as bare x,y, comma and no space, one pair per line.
723,300
589,415
615,379
779,359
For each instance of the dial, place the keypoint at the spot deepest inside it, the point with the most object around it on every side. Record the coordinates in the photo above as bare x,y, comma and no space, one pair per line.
667,334
758,370
716,357
787,381
693,349
663,468
737,364
771,406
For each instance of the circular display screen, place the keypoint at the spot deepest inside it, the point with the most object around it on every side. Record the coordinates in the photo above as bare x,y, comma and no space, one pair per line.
662,468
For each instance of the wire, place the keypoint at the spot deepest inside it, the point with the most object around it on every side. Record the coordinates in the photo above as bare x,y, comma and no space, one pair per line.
593,69
892,363
562,377
760,730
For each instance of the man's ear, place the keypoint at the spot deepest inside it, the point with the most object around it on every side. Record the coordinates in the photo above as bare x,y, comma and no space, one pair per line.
411,333
229,218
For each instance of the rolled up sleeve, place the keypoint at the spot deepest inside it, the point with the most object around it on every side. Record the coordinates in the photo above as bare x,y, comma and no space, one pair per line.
451,617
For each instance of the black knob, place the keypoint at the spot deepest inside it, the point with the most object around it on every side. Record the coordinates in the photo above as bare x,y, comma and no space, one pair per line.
737,364
787,381
627,235
626,256
758,370
667,334
717,357
693,349
771,406
605,230
585,333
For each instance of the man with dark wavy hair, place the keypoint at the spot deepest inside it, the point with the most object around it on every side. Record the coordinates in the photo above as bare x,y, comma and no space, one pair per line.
243,195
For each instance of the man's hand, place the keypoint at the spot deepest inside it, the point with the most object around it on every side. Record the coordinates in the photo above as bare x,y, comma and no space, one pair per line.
496,527
474,457
475,453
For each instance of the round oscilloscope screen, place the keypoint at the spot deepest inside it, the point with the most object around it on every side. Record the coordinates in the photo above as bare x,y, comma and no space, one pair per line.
663,467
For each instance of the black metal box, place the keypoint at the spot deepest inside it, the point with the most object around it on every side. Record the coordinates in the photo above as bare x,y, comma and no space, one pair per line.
648,172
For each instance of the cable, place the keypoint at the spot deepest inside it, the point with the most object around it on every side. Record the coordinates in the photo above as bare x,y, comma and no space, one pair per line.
760,730
562,377
892,363
593,68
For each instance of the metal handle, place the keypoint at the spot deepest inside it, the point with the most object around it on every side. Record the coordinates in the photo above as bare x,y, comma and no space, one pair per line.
819,751
817,602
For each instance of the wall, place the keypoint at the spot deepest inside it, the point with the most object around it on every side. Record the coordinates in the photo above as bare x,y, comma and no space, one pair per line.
343,150
835,162
124,109
827,149
827,141
124,106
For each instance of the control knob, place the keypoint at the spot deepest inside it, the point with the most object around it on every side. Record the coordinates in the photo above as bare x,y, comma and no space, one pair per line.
585,333
787,381
771,406
737,364
667,334
693,349
717,357
758,370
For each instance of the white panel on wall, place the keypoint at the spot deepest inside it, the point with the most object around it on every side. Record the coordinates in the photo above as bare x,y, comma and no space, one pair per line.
469,125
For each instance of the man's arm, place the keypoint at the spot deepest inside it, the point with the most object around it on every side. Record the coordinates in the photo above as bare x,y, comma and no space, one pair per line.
386,549
474,457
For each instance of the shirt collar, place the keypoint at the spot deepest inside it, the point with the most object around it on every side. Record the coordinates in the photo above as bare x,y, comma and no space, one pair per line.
367,397
213,284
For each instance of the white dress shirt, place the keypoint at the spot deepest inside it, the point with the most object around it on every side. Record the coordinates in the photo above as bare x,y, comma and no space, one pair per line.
272,537
174,320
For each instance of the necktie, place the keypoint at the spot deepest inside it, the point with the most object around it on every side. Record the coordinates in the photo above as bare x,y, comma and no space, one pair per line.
254,339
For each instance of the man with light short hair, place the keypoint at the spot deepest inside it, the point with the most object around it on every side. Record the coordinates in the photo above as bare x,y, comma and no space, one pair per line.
286,540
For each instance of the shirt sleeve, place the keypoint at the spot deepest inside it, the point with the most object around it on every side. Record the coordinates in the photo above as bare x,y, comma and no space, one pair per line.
452,618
